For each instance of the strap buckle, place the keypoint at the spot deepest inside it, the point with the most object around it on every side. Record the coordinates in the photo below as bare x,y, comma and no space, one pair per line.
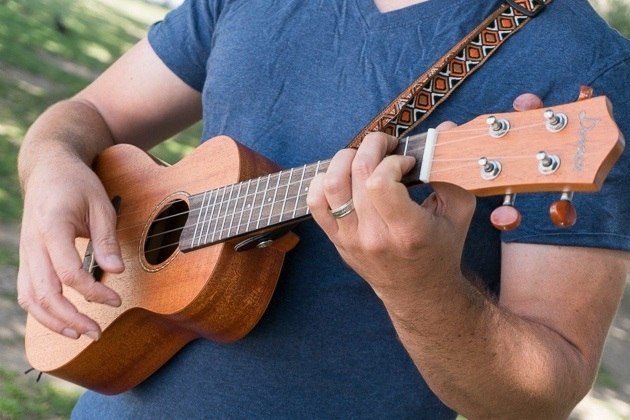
539,5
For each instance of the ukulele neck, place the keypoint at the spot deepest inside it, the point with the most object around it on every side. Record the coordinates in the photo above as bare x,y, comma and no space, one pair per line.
268,201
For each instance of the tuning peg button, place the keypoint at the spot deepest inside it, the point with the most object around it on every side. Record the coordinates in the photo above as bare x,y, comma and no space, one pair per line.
562,212
506,217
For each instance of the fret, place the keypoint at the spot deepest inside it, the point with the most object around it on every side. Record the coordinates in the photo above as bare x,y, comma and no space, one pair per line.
214,217
252,205
275,196
303,193
295,207
205,215
243,208
286,195
283,194
226,213
210,219
412,146
203,200
234,209
262,203
269,200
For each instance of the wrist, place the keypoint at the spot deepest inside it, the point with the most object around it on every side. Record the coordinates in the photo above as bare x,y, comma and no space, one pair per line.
49,143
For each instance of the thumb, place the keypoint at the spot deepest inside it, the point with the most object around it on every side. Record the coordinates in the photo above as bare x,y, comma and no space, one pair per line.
103,235
453,203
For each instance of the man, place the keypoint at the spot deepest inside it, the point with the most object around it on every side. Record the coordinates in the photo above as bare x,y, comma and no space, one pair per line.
409,322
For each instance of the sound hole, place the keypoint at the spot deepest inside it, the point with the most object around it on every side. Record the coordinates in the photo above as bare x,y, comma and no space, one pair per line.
163,235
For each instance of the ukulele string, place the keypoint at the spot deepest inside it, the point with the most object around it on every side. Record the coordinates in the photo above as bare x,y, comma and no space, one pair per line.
226,203
170,245
180,229
478,134
259,207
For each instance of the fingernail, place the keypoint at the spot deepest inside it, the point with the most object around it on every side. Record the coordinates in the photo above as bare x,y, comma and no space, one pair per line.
114,260
70,333
93,335
113,302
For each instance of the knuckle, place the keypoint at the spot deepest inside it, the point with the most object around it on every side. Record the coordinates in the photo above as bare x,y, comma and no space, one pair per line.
407,244
373,244
25,301
334,184
105,210
24,291
105,243
91,293
376,184
361,167
44,301
47,231
70,277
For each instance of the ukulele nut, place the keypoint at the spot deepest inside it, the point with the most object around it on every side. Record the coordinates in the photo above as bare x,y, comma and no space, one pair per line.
490,169
498,127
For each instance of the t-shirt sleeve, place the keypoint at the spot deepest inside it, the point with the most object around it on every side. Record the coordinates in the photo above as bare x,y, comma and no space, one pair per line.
603,218
183,39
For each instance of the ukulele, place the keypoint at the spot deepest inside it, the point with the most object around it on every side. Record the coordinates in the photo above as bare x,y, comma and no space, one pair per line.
203,253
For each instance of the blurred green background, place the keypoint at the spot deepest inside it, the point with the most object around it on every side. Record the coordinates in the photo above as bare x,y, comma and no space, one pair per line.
49,49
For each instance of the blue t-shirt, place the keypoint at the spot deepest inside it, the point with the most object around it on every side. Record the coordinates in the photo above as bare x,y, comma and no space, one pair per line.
295,80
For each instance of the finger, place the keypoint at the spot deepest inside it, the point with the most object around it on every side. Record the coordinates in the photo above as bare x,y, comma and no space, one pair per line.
40,293
385,191
318,205
103,236
445,126
369,156
452,202
373,149
338,178
527,101
68,266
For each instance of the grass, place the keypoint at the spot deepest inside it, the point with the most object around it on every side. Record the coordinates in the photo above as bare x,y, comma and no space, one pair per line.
39,65
21,400
8,256
616,12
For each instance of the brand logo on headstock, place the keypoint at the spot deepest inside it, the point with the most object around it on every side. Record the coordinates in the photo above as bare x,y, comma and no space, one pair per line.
586,125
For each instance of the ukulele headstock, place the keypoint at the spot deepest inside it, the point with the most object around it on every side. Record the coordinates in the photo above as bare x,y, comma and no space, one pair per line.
563,148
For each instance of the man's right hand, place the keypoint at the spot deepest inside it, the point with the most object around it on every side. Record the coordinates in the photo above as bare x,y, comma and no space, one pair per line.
138,100
63,200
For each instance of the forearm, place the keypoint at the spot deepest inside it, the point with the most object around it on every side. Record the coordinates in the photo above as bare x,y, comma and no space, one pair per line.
70,129
483,360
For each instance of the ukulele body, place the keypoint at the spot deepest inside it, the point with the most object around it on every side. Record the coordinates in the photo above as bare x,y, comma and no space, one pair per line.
168,298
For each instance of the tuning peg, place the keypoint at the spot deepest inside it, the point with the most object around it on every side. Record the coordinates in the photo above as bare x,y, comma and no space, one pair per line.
497,127
555,121
506,216
562,212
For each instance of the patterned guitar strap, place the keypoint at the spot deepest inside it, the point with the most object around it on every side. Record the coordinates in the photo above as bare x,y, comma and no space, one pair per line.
432,88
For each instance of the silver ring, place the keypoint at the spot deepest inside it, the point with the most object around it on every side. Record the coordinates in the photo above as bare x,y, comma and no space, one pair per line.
343,210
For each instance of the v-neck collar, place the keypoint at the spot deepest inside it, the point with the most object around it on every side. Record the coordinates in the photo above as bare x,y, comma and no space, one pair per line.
374,19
